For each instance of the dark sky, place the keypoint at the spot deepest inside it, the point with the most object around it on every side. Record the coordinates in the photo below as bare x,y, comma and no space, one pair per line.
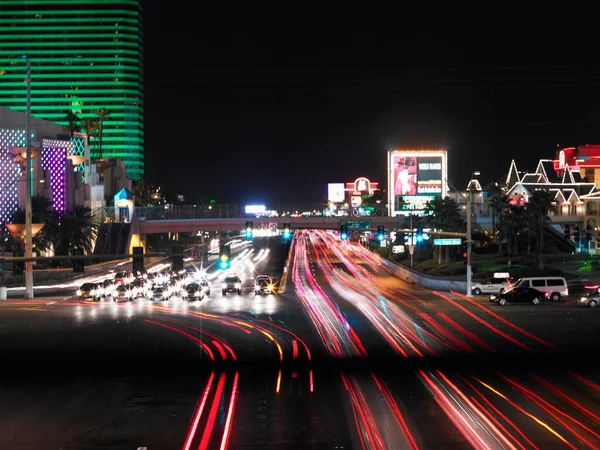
270,105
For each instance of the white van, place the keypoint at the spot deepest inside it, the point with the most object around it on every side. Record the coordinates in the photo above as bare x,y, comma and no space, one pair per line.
553,287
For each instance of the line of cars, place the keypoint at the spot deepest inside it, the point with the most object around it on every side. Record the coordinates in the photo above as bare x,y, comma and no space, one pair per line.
533,290
127,286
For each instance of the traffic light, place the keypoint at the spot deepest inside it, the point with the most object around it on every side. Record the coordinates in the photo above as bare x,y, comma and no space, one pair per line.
138,259
78,264
380,233
344,232
249,230
567,232
287,231
576,235
225,257
419,234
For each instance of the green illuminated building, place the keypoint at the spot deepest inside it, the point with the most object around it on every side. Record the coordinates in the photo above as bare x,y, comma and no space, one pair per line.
85,55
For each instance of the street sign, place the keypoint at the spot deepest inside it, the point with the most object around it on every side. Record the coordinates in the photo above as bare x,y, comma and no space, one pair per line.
356,224
398,249
411,249
447,241
196,253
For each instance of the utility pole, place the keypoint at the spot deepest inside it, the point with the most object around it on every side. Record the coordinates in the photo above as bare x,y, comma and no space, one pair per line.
469,237
28,231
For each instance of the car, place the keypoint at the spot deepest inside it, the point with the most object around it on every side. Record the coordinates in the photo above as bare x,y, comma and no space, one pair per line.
88,290
591,299
108,288
193,291
124,277
125,293
553,287
519,295
263,285
231,283
491,286
160,292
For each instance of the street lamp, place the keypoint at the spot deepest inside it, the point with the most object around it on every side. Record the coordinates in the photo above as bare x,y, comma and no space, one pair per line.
472,186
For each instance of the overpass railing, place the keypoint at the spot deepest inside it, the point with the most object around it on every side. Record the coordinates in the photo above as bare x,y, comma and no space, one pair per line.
224,211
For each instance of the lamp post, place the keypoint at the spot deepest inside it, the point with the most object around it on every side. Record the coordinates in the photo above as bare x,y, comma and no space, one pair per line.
472,186
28,231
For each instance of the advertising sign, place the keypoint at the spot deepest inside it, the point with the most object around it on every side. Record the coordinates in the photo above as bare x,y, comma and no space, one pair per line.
415,177
356,200
335,192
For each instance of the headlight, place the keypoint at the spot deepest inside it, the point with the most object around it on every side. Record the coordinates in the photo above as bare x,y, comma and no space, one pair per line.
492,297
583,299
78,292
92,293
205,288
223,285
238,285
165,294
197,294
270,287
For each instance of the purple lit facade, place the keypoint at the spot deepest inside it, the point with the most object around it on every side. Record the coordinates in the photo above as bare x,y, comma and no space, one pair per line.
54,160
9,173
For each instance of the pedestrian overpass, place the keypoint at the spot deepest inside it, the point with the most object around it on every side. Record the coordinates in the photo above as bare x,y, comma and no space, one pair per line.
239,223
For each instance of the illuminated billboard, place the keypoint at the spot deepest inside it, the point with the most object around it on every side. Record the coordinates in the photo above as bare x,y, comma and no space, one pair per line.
415,177
335,192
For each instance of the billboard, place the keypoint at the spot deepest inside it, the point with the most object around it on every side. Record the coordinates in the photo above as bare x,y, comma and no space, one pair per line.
415,177
335,192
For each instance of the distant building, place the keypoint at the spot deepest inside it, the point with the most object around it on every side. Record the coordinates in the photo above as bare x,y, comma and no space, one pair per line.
61,167
85,55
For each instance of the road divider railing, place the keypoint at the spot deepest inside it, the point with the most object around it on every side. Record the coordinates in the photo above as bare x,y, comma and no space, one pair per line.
426,281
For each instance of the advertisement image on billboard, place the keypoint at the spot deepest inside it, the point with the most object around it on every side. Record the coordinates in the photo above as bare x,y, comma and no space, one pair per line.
335,192
415,177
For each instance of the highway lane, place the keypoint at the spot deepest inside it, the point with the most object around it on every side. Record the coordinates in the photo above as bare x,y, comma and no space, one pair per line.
276,379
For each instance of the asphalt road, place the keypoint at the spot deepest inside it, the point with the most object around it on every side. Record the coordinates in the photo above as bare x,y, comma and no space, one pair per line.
347,356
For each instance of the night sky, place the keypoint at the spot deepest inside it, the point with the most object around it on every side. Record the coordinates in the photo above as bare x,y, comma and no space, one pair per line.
259,105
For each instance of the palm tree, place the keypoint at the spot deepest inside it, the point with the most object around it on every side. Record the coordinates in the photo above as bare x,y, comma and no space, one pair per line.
74,122
90,127
76,231
539,205
445,216
101,113
497,201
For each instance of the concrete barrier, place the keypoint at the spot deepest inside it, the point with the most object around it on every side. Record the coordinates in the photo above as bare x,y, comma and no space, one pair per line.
426,281
287,267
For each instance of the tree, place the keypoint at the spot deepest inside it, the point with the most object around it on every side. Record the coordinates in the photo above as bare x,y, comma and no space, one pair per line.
497,200
75,230
148,194
90,126
377,201
539,205
102,113
445,215
74,121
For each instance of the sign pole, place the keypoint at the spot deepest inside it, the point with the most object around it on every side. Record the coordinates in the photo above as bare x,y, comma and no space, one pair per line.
28,220
412,236
469,214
